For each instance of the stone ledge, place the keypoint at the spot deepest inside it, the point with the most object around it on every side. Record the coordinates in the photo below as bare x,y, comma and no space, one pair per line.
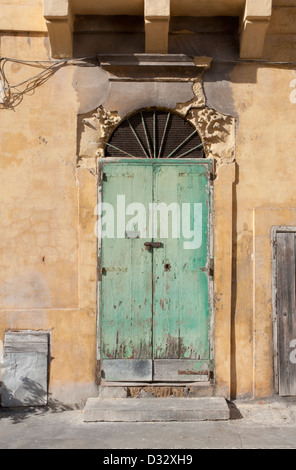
155,410
153,66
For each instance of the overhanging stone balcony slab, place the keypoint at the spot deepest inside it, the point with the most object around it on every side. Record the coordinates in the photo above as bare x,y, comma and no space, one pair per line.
153,66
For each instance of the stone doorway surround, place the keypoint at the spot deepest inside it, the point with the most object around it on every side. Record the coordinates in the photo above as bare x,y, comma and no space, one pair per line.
167,80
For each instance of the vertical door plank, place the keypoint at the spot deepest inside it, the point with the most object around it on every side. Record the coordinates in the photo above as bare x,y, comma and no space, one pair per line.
286,310
180,302
126,288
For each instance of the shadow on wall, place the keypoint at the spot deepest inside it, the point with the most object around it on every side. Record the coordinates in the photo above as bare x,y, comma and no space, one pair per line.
22,410
233,368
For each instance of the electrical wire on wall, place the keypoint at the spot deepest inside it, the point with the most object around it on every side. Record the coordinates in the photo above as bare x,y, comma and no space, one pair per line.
12,94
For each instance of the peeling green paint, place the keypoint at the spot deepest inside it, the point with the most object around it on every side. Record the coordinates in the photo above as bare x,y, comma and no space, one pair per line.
161,295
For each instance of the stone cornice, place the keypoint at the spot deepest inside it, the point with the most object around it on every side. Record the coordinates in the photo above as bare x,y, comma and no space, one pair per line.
60,14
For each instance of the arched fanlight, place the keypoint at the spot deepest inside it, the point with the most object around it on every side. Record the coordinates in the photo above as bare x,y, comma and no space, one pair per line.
155,134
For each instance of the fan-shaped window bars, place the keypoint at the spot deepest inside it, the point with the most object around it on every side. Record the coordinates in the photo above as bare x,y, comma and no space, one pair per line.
155,134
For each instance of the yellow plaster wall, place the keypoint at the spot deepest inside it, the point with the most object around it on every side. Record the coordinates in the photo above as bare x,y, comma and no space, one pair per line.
28,17
264,219
48,258
265,156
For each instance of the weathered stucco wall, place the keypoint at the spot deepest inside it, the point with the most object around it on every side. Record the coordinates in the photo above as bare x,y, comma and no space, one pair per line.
48,258
265,156
48,248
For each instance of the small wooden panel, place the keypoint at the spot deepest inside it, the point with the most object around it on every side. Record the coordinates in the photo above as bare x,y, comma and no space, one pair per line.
180,370
23,341
133,370
286,311
24,368
24,335
24,347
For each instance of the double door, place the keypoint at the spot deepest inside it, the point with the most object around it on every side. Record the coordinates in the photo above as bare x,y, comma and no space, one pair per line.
155,271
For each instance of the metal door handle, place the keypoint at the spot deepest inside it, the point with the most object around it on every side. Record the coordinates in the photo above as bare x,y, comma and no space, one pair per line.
149,245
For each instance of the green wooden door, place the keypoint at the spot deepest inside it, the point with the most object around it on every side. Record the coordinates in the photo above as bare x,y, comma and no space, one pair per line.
155,308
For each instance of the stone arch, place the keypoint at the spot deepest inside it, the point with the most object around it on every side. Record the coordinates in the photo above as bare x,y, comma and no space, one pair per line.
216,130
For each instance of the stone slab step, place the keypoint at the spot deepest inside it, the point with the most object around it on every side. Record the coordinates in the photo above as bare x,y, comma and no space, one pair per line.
159,409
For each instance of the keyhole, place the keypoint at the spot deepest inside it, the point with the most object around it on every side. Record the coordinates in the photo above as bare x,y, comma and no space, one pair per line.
167,267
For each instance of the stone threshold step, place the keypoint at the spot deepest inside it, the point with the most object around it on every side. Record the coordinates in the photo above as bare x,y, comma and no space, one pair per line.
160,409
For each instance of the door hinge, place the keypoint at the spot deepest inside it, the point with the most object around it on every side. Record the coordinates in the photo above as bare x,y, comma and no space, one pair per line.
101,272
102,176
209,269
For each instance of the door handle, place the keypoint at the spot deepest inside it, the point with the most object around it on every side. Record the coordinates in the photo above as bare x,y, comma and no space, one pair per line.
149,245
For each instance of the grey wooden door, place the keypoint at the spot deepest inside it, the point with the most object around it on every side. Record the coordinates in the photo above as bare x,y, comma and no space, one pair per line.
286,311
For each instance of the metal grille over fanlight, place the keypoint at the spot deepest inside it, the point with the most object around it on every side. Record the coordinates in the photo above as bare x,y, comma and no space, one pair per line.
155,134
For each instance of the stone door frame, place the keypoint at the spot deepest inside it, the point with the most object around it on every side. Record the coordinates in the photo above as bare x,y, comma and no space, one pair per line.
217,132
